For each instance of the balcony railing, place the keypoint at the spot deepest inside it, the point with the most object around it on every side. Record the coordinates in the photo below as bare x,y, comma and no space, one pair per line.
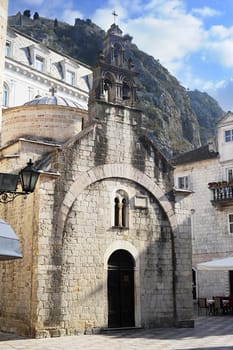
222,192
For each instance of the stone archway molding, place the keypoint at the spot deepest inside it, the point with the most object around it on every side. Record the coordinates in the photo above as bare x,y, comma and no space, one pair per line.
125,245
101,172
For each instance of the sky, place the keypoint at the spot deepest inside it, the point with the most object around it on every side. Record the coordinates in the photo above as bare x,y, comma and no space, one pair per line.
193,39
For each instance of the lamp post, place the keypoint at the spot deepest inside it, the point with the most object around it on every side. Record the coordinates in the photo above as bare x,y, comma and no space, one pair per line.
28,177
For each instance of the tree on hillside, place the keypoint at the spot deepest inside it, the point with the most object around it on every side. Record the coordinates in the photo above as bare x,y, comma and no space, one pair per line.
27,13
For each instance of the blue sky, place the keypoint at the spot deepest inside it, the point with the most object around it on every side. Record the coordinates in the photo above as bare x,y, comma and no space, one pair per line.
193,39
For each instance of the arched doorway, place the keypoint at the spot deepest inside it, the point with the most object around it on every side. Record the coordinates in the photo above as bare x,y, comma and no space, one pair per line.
121,289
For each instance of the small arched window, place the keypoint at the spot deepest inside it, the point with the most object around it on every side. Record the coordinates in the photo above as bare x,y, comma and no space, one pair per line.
118,57
108,87
116,212
5,95
121,209
125,91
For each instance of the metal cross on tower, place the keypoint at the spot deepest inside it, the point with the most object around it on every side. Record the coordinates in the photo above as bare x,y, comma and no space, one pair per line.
115,15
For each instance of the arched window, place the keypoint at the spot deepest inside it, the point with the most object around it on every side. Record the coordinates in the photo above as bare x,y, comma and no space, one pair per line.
116,212
118,57
108,87
125,91
5,95
121,209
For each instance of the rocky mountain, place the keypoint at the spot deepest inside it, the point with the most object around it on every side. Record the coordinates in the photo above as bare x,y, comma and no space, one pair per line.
179,120
207,111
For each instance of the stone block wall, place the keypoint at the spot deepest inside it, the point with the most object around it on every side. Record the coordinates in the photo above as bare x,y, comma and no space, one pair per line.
81,290
70,234
19,280
46,122
100,162
210,232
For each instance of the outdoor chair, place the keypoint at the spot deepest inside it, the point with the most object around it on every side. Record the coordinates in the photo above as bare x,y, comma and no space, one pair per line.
217,305
202,305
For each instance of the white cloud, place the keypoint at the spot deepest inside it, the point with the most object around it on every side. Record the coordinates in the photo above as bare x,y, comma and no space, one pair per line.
70,15
213,85
104,18
164,29
219,32
108,17
167,31
222,92
161,28
223,52
206,12
171,40
220,45
35,2
164,8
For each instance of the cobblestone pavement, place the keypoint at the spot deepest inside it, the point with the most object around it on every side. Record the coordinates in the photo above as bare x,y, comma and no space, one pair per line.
210,333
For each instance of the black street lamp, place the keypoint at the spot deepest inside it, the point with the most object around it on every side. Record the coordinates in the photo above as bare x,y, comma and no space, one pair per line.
28,177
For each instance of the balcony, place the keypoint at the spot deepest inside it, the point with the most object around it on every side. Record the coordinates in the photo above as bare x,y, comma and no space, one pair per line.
222,193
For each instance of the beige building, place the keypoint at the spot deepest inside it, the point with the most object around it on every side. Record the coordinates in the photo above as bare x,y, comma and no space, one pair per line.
203,179
104,243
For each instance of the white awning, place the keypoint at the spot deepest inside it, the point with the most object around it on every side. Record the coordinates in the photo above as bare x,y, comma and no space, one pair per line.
9,242
217,265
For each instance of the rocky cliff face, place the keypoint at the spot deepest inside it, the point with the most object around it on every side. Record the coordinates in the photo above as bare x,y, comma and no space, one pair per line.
179,120
207,111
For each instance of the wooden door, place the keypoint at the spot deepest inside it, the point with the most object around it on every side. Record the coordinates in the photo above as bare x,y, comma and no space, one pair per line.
121,290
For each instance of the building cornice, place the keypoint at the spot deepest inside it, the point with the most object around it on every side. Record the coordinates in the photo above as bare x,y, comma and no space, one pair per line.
33,74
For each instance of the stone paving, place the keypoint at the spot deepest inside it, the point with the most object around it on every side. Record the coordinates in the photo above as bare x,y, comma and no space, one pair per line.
210,333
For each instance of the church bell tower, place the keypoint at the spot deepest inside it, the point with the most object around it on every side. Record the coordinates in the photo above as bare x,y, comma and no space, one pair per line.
113,75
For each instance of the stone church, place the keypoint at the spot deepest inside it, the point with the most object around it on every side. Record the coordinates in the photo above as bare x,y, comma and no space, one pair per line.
105,244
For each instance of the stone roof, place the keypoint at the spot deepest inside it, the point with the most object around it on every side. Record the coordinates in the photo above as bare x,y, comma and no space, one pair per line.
199,154
57,101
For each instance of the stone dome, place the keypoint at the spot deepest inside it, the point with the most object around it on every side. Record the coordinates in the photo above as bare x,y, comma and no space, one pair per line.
57,101
37,120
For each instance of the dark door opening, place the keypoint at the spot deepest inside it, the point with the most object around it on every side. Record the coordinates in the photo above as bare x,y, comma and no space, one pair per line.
121,290
231,282
194,284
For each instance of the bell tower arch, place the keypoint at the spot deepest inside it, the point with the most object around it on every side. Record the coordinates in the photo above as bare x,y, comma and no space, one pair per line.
113,75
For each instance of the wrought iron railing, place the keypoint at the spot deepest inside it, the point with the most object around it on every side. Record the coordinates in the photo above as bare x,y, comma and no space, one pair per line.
221,191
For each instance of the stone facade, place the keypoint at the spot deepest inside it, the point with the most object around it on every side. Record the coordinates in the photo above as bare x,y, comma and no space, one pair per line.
46,123
211,234
103,218
32,69
3,25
